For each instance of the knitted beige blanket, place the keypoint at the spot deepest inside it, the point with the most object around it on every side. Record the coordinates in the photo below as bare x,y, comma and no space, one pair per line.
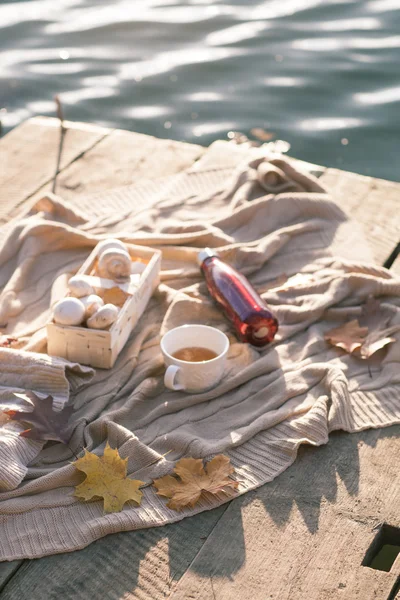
275,224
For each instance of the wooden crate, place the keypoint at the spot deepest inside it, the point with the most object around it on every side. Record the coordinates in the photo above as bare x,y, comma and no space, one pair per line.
100,348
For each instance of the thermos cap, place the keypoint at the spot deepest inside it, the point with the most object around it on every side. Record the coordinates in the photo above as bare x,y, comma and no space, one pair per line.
206,253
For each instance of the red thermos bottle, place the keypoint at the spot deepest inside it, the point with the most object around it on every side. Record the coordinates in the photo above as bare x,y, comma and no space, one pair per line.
253,321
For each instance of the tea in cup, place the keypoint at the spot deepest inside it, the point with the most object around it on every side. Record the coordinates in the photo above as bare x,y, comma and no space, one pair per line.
195,356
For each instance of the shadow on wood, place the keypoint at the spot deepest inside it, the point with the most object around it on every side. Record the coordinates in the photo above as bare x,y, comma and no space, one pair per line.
145,564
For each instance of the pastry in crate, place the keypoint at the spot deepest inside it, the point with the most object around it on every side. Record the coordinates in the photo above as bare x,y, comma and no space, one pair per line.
105,301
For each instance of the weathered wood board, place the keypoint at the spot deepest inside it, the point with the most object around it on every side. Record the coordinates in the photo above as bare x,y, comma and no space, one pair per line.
375,203
304,536
29,156
301,537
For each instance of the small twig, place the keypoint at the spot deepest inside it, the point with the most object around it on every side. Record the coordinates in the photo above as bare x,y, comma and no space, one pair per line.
390,259
63,130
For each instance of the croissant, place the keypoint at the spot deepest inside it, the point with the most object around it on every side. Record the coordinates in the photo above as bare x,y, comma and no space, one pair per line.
114,264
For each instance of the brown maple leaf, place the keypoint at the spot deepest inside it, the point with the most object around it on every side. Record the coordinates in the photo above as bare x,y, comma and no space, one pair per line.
368,335
44,422
376,317
377,340
106,478
349,336
193,479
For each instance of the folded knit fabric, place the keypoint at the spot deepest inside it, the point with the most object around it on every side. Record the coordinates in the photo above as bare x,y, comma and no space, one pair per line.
21,371
310,264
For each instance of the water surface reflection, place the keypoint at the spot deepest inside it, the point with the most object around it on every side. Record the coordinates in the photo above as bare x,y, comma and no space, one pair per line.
315,72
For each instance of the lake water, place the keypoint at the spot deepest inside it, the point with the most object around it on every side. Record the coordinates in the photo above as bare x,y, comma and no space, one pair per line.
322,74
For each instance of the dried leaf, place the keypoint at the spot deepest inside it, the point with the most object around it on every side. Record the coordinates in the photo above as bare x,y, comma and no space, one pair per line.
349,336
106,478
262,134
364,341
45,423
377,340
114,296
193,479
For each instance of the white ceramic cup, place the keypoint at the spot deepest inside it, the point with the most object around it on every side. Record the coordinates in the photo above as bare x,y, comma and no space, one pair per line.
188,376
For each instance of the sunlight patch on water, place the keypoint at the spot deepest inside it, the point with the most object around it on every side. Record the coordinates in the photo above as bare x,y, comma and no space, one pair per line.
11,119
195,69
382,5
369,23
87,94
146,112
101,80
167,61
205,97
284,81
41,106
63,68
237,33
212,128
128,11
363,58
379,96
329,44
375,43
318,44
273,9
13,14
28,58
329,124
10,58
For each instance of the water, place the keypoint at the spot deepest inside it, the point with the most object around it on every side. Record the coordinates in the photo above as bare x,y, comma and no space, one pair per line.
321,74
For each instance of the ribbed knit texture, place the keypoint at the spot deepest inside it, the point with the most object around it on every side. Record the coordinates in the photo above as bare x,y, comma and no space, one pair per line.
265,218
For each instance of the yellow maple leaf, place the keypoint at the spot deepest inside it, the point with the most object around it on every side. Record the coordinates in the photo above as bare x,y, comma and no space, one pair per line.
194,480
106,478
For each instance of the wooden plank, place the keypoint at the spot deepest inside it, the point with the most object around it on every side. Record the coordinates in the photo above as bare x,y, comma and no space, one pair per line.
305,534
29,156
374,203
123,158
8,570
143,564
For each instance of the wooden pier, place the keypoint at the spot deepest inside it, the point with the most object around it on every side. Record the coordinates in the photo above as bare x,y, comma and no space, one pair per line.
301,537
